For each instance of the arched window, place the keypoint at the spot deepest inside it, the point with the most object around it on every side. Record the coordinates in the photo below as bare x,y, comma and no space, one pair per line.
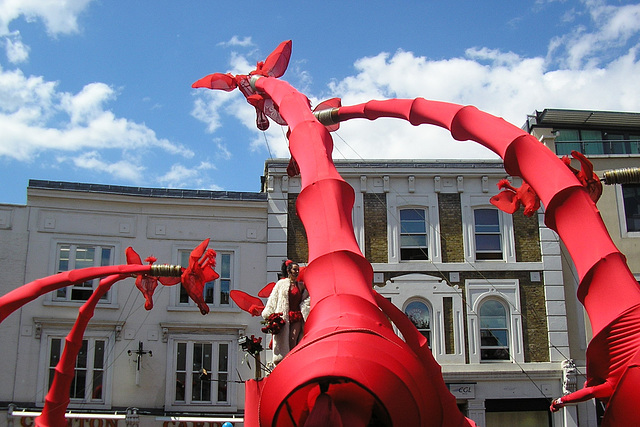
418,312
494,335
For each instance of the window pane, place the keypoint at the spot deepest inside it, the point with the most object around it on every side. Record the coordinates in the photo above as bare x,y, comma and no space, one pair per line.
54,358
413,254
493,338
207,354
488,242
486,218
208,292
98,359
85,257
595,147
223,357
631,198
106,257
222,387
180,384
408,240
197,357
413,235
78,385
488,237
81,293
223,368
181,357
418,313
63,256
225,286
97,385
413,227
494,354
412,215
225,265
81,360
492,308
494,335
634,144
569,135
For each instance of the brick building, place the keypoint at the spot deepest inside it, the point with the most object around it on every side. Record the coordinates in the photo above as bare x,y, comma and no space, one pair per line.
610,140
485,287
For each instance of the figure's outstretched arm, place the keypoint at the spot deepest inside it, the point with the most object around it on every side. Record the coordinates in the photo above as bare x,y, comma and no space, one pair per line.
600,391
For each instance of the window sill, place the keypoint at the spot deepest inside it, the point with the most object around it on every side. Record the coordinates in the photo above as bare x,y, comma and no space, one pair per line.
108,305
195,309
209,408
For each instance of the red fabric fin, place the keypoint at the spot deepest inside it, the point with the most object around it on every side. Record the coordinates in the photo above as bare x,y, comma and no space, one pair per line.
266,291
277,62
506,201
226,82
248,303
132,256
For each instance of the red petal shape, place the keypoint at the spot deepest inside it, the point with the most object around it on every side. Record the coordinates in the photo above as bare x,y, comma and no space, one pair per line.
247,302
266,291
226,82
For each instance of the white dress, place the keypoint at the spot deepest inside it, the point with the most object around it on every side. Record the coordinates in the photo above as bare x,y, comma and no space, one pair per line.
278,302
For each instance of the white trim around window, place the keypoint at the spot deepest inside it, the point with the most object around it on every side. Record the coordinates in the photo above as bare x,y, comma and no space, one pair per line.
402,290
216,293
97,252
622,217
505,291
397,203
98,344
469,204
187,356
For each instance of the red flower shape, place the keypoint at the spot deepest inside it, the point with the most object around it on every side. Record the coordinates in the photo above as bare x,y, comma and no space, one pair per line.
200,271
145,283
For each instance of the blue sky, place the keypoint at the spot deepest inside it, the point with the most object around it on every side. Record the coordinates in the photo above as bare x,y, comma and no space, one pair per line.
100,91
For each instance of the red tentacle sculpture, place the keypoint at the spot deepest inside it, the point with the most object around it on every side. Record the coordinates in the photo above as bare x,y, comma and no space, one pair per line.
194,277
345,334
57,399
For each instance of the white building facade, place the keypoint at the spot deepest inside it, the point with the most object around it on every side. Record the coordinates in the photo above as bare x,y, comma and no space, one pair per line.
159,366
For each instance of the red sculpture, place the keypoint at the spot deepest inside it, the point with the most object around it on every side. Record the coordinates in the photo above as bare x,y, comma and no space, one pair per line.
200,271
346,332
194,277
585,175
145,283
512,198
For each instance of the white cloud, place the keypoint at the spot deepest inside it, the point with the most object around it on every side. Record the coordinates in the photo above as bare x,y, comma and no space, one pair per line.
17,51
237,41
181,176
614,26
92,161
58,16
35,117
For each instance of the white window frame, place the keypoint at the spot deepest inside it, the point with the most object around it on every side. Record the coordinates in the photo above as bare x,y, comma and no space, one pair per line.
507,291
110,298
425,212
91,335
396,203
429,308
402,290
506,329
177,305
622,215
171,404
470,203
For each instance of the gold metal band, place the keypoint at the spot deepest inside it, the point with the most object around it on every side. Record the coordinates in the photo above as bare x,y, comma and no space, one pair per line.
166,270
